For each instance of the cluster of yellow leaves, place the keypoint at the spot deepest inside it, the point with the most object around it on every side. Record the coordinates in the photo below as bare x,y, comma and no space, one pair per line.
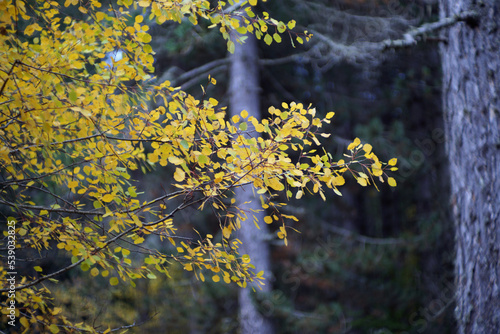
75,123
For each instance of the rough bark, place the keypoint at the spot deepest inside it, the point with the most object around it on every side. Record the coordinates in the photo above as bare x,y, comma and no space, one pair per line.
471,83
244,95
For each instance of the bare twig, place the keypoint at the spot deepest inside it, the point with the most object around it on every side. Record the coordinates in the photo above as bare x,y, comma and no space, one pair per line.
364,239
365,50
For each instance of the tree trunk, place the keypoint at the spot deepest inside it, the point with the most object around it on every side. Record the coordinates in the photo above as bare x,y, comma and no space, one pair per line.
244,95
471,84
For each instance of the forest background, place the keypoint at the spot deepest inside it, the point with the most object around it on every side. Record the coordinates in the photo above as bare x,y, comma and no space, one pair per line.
370,261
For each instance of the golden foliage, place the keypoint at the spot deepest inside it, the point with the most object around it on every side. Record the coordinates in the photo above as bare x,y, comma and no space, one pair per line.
73,127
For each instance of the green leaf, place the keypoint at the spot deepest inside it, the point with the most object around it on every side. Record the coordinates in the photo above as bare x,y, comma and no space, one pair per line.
281,27
146,38
131,191
249,12
277,38
72,96
230,46
185,144
268,39
202,159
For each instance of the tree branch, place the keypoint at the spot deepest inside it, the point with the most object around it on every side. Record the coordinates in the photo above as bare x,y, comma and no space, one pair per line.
365,50
97,250
410,37
195,71
364,239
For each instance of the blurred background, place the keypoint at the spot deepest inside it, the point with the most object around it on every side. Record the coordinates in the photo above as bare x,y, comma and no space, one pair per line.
367,262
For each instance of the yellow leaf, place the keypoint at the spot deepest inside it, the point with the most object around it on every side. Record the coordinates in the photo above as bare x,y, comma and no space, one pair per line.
146,38
244,114
215,278
99,16
275,184
330,115
392,182
56,310
153,158
179,175
175,160
354,144
213,101
393,162
113,281
252,2
54,329
226,231
107,198
377,169
24,322
362,182
268,220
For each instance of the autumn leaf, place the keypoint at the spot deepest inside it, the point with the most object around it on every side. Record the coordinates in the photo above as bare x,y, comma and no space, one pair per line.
392,182
179,175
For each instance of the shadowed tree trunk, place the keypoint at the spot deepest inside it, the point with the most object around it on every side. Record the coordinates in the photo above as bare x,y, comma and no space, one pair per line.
244,95
471,88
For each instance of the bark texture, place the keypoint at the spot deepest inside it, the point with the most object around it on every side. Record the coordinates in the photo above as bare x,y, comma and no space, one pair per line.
244,95
471,83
